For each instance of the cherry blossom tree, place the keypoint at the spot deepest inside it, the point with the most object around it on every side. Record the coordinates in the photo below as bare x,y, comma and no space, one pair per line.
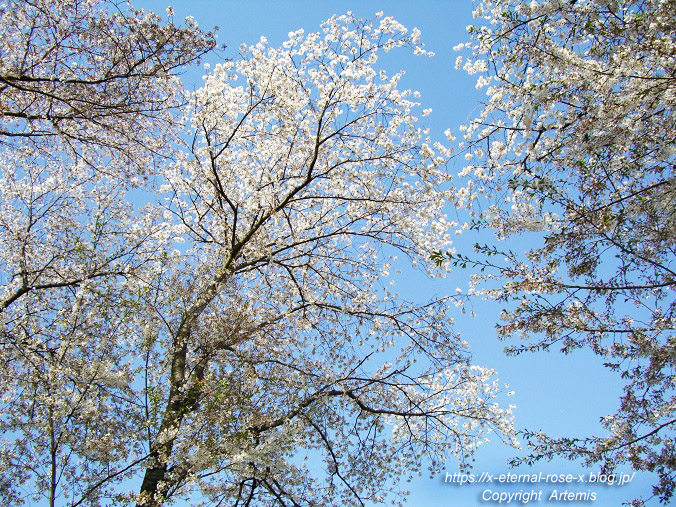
96,78
572,159
198,316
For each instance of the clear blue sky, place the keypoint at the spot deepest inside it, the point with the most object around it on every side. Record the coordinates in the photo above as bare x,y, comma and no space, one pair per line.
562,395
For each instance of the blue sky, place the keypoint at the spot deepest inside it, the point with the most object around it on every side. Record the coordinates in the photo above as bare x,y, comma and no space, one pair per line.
560,394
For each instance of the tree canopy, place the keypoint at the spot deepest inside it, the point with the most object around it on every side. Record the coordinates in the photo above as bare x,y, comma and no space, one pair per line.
572,159
195,286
